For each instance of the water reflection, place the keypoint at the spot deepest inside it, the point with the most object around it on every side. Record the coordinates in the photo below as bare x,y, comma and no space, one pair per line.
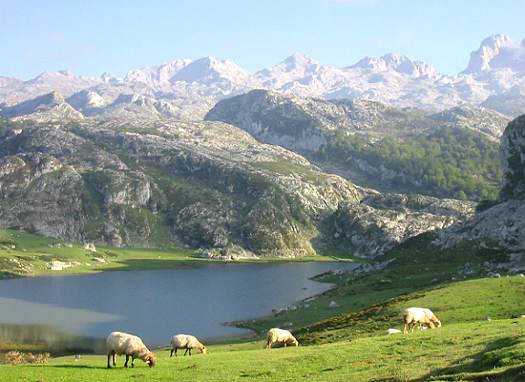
159,303
41,338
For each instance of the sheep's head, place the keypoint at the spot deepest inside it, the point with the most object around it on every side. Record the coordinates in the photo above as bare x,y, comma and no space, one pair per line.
150,359
294,342
204,350
438,323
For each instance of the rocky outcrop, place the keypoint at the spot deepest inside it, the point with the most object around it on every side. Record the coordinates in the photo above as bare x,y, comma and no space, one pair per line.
207,185
503,225
487,122
47,107
379,146
513,152
308,123
381,221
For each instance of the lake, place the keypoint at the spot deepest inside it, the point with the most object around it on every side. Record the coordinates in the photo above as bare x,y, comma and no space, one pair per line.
154,304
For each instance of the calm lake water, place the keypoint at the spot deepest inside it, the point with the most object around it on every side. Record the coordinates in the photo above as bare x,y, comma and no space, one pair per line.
154,304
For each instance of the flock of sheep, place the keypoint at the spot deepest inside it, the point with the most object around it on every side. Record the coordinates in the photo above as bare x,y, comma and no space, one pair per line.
119,343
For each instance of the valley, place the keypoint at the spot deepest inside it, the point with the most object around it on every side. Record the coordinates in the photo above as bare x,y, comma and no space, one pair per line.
196,196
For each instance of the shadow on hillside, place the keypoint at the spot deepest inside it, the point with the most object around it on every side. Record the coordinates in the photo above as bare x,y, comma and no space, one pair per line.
479,366
140,264
78,367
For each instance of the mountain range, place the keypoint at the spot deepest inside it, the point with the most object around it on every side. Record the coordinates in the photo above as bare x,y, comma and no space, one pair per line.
494,78
293,160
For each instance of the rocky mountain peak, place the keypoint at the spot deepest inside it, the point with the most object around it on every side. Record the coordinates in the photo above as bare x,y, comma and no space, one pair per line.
86,99
157,74
45,107
397,62
210,68
299,59
293,68
497,51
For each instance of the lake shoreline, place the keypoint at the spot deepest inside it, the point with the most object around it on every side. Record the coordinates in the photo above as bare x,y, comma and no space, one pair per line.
296,295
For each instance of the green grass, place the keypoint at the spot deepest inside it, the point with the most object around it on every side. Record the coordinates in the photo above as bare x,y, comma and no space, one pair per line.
482,338
458,302
466,348
32,255
417,266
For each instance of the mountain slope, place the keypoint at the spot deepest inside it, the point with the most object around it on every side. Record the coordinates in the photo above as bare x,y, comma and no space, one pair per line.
502,225
205,184
453,153
50,106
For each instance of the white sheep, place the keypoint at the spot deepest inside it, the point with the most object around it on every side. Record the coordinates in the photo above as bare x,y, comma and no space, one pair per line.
282,336
393,331
419,316
119,343
185,341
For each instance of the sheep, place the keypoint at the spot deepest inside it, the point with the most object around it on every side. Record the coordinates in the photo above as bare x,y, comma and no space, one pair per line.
420,316
185,341
393,331
119,343
276,335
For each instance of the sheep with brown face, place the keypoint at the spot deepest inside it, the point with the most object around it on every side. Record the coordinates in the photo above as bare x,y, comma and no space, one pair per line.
419,316
119,343
281,336
188,342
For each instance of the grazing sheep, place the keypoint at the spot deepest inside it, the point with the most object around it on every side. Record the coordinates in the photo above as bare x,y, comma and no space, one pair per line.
119,343
393,331
185,341
276,335
419,316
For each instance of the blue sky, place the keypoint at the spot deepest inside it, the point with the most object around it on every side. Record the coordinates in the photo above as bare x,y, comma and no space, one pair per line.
90,37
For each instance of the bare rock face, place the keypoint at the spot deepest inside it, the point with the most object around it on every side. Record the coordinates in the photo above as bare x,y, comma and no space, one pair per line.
503,224
51,106
207,185
513,152
381,221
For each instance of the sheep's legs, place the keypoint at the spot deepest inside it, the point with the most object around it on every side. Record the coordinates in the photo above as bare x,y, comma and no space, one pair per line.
127,358
186,352
405,329
171,353
109,356
132,361
114,363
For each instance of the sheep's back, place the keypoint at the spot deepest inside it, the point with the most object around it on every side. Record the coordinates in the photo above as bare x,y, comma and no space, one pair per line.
418,314
279,334
123,343
183,340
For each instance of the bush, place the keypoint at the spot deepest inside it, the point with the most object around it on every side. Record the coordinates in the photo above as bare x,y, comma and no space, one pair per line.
16,357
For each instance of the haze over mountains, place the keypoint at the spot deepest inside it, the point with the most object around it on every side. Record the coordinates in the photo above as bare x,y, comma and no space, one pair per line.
494,78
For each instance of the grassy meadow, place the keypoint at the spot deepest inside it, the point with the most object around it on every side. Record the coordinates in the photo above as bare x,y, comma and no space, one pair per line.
482,338
26,254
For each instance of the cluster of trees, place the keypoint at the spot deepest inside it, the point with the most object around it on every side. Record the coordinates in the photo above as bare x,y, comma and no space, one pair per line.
447,162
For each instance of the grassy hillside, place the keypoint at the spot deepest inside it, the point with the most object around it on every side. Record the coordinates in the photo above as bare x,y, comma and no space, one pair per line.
482,338
416,268
447,162
489,347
